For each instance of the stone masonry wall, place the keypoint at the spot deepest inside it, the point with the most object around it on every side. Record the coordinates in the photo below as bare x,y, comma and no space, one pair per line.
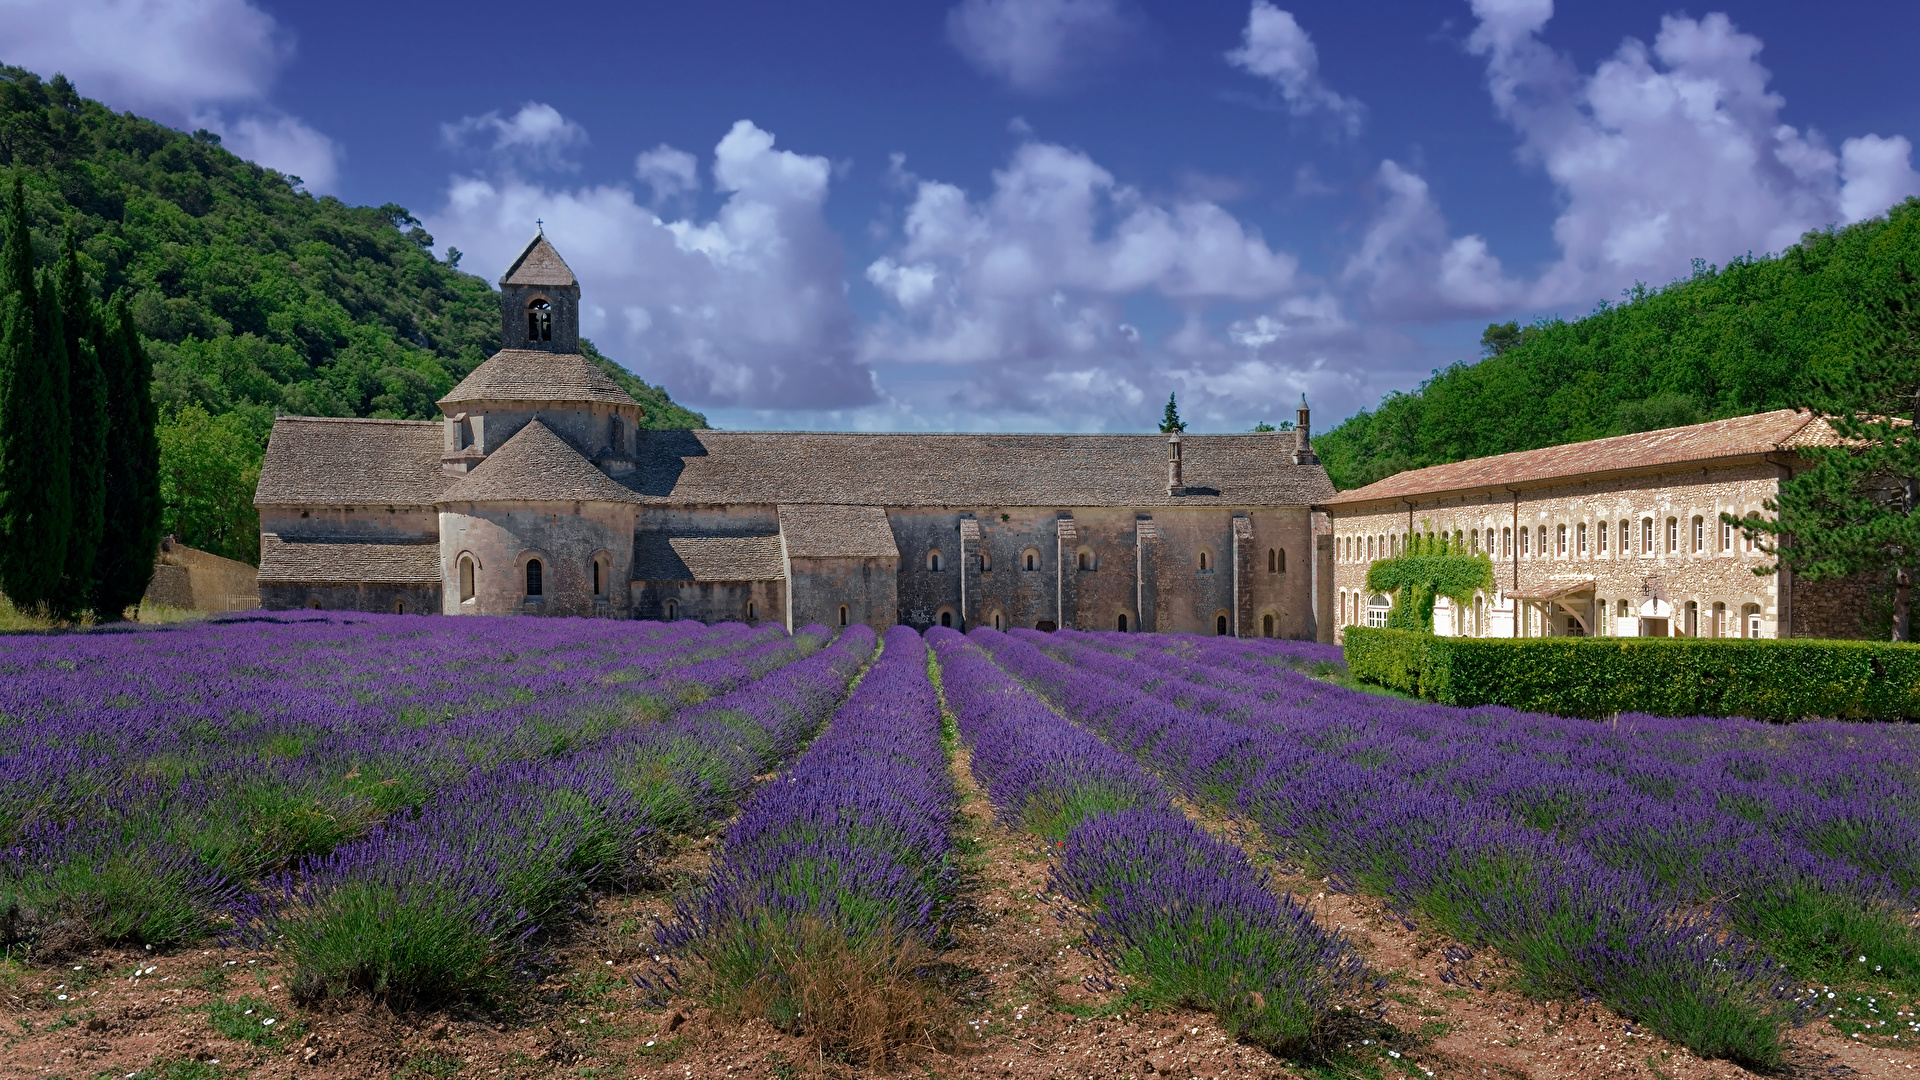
566,538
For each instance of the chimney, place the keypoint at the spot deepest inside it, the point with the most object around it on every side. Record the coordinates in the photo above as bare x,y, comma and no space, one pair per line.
1302,432
1175,486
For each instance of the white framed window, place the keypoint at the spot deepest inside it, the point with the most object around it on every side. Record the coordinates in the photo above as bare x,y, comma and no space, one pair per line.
1673,536
1560,540
1506,543
1699,533
935,560
1726,536
1377,607
1646,536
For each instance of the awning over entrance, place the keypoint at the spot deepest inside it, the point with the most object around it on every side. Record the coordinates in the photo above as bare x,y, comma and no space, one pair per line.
1554,591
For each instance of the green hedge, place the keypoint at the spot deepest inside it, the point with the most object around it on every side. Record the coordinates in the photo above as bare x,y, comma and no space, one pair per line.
1597,677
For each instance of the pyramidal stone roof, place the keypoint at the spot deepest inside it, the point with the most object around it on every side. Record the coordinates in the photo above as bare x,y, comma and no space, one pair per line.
529,375
539,264
536,466
1741,436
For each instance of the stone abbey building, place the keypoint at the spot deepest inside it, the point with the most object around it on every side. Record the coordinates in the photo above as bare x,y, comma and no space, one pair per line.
540,492
1619,537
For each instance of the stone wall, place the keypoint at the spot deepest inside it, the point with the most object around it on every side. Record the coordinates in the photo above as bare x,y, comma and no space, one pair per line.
752,602
869,587
567,538
395,599
186,577
1657,584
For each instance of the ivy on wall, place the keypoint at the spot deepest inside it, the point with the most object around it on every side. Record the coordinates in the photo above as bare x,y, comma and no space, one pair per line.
1430,569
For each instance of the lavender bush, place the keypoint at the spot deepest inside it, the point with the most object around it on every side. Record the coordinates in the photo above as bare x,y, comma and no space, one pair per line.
1308,774
1169,903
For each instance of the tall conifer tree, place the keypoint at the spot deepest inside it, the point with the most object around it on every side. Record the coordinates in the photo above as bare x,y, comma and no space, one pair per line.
35,509
87,410
124,564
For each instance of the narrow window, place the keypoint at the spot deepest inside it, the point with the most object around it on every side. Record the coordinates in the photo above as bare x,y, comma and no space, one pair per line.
1560,537
1203,560
1526,541
1220,626
1693,618
843,614
933,559
1600,534
946,618
1273,561
1751,615
539,321
1122,623
1086,560
1718,627
1476,541
466,577
1506,543
986,561
314,603
1673,535
1726,536
1582,530
1543,540
1369,549
534,584
598,588
753,611
614,438
1699,533
1282,552
399,607
1623,609
1646,536
1030,559
1266,625
997,623
673,610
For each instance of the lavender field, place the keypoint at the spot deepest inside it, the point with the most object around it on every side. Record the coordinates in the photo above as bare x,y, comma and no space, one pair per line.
417,809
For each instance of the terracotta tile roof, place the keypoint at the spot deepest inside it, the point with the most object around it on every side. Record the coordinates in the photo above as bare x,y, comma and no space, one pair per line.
660,557
538,264
829,532
332,561
536,465
530,375
324,461
926,469
1781,430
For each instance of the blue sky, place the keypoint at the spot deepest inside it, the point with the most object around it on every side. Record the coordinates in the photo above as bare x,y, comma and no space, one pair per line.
1045,214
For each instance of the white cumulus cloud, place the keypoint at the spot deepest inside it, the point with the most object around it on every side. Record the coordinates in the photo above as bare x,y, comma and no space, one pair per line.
194,63
1040,46
747,309
536,135
1275,47
669,172
1408,267
1671,151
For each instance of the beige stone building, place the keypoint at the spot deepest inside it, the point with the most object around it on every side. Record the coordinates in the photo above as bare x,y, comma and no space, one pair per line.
540,492
1617,537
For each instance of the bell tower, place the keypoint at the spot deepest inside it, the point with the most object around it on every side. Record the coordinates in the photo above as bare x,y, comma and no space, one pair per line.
540,301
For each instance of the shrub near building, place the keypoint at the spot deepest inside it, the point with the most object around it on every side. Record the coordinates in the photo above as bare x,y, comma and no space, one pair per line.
1597,677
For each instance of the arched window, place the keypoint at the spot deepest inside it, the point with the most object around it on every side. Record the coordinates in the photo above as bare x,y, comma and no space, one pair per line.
1273,561
1673,535
1718,626
535,586
1750,620
1561,538
539,320
986,561
1543,540
1377,607
843,614
753,611
1266,626
1206,560
1030,559
946,618
1600,533
999,621
1526,541
1122,623
1693,619
314,603
1626,538
673,610
1623,609
1582,530
1699,533
1646,536
1506,543
399,607
615,437
1220,626
466,578
1085,559
599,578
1479,616
1369,549
934,560
1726,536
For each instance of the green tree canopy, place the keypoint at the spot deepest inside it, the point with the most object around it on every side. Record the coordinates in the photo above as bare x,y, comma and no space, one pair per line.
1757,334
1170,422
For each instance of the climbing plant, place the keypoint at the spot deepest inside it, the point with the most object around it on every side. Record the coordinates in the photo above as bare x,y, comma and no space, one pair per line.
1430,569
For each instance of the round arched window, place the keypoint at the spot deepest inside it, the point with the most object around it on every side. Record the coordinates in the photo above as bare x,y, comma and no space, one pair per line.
536,585
1377,607
539,320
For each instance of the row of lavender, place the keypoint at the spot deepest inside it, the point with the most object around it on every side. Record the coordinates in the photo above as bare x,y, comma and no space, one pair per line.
1170,904
1809,834
149,781
1335,779
834,887
442,903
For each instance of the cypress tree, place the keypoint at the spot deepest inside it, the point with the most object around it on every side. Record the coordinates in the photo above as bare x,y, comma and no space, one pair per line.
123,565
35,509
87,411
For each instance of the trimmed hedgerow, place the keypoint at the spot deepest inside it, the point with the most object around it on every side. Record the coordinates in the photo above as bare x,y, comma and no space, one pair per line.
1594,677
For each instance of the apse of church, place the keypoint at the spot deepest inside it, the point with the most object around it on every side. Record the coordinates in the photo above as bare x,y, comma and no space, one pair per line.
541,491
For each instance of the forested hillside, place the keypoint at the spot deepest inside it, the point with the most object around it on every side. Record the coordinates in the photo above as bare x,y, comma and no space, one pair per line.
1751,336
253,297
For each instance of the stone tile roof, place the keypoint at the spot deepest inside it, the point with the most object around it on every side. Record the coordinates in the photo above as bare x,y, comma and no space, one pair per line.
538,264
329,561
661,557
797,468
324,461
1781,430
531,375
536,465
828,532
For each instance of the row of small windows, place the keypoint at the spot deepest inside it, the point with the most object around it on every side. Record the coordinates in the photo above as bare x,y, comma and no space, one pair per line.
1086,559
1577,539
536,577
1614,618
